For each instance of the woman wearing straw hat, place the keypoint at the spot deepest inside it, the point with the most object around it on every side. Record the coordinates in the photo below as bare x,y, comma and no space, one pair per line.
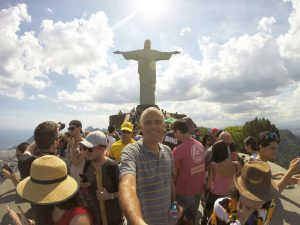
49,185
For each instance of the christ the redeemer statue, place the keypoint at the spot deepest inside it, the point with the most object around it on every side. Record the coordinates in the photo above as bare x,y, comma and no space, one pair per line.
147,69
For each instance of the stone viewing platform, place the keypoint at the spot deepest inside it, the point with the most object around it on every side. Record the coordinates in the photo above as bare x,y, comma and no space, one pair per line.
286,210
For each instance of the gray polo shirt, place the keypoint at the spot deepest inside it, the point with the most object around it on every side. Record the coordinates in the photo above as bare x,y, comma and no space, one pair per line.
153,179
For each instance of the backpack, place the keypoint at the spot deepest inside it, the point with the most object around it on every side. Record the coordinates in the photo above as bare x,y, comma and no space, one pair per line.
110,177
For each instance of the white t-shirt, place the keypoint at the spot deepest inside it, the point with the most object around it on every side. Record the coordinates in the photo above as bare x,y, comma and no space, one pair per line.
111,140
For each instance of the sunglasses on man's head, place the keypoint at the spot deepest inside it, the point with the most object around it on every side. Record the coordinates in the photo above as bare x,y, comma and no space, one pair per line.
272,137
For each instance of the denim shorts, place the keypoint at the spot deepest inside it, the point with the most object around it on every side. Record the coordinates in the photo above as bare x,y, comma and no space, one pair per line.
190,205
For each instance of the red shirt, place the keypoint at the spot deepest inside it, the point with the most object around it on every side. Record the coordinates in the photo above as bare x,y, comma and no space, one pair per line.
70,214
189,159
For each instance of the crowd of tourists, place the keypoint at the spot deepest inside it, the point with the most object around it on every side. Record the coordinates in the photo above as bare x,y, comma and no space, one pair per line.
147,174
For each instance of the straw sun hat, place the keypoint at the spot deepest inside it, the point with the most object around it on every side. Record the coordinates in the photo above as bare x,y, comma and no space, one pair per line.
48,182
255,182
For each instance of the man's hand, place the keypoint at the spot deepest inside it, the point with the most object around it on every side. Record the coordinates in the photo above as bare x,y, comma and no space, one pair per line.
103,195
117,52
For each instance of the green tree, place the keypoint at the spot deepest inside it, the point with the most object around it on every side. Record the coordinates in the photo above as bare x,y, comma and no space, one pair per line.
254,127
237,135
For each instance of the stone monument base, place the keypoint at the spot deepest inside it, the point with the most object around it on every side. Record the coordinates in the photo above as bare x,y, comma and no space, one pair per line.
117,120
141,108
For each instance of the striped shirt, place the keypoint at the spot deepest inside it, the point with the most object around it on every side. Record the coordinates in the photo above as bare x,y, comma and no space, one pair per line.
153,179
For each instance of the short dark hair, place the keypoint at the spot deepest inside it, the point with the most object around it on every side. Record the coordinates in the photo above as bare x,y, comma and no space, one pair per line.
217,134
45,135
205,138
22,147
219,151
111,128
181,125
266,137
252,142
76,123
232,147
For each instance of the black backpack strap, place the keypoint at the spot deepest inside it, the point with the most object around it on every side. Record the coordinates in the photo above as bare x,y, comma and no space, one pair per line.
87,164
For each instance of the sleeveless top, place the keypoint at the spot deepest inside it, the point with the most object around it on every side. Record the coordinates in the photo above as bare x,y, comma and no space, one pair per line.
70,214
220,184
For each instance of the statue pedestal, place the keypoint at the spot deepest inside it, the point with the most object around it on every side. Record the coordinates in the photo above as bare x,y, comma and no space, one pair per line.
141,108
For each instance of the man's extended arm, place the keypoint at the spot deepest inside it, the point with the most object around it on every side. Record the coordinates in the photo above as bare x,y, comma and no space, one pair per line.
128,199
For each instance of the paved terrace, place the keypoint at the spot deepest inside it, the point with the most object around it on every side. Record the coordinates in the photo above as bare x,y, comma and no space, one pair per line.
287,211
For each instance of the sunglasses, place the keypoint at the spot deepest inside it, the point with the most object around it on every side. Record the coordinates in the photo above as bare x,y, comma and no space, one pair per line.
272,137
83,148
90,149
126,132
71,128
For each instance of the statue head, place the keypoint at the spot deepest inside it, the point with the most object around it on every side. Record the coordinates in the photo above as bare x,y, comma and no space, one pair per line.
147,44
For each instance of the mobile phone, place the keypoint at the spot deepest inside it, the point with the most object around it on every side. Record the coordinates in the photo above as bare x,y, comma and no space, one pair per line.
84,178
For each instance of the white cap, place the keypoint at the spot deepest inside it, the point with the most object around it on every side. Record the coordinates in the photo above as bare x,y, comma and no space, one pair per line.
94,138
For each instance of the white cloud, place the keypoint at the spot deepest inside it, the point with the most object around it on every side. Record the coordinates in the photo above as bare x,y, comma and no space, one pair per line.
289,43
185,30
78,47
39,96
118,87
297,92
266,23
49,10
20,55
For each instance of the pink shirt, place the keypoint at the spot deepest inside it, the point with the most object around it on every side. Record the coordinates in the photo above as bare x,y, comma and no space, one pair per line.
189,159
220,185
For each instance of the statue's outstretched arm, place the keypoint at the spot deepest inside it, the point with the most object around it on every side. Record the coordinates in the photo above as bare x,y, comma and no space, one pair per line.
176,52
118,52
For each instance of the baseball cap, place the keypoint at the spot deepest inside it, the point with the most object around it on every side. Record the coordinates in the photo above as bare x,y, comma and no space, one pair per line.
94,138
127,126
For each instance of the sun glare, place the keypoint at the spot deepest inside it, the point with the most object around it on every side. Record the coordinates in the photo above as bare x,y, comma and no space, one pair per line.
151,7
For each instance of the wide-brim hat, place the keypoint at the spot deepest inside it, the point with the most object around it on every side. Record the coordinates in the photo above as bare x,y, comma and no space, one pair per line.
255,182
48,182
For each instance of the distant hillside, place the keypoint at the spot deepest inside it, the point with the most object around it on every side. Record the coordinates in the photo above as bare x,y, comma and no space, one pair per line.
289,148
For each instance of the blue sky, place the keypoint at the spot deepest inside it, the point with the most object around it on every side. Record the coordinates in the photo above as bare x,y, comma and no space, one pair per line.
239,59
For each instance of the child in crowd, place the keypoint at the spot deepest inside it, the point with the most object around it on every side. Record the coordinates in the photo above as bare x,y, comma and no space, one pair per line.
251,147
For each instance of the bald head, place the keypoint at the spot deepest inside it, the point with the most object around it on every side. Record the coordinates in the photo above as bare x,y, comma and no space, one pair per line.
226,137
152,110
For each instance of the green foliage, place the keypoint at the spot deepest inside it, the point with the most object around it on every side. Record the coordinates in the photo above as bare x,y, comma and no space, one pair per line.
250,128
203,130
254,127
237,135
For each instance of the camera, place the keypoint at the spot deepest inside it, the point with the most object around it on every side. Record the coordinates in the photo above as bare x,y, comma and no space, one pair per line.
5,166
61,126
